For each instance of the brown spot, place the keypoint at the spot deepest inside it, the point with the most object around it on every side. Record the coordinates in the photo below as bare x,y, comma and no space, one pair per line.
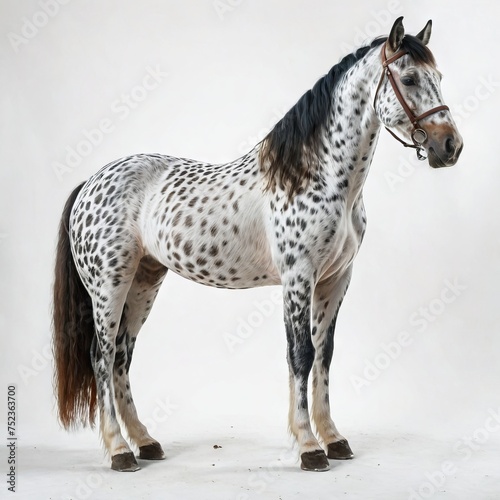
177,239
188,248
189,221
213,230
176,218
214,250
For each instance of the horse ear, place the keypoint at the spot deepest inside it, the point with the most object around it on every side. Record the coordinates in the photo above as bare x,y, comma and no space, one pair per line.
425,35
396,35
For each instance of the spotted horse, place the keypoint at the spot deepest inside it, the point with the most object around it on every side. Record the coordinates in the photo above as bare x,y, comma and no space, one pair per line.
289,213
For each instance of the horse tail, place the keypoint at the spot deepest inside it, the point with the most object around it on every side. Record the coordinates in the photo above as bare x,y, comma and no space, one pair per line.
73,331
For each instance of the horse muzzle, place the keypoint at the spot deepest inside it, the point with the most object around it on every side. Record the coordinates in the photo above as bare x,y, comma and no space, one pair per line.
443,147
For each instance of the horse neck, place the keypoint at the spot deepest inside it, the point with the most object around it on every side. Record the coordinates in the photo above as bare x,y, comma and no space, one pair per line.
353,127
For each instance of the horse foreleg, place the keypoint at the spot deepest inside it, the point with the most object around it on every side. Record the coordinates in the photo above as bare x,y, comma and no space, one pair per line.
297,298
327,298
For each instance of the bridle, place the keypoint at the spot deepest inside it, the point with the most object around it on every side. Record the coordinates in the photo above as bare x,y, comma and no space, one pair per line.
418,134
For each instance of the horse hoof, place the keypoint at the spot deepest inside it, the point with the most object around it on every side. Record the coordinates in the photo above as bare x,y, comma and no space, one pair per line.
151,451
314,461
340,450
124,462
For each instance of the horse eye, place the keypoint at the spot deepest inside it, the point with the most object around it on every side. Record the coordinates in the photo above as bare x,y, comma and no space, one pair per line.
408,81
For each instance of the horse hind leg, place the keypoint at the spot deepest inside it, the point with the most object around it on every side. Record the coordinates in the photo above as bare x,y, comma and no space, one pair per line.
147,281
109,299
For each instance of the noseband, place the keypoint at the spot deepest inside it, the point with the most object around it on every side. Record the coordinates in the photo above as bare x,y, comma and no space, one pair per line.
418,134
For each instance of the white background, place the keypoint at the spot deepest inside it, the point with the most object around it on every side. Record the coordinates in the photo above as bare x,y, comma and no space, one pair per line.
230,69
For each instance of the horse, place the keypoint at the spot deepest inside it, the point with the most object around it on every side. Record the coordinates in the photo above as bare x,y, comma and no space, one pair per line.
289,212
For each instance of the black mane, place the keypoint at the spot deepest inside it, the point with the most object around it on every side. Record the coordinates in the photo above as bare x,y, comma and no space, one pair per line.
288,151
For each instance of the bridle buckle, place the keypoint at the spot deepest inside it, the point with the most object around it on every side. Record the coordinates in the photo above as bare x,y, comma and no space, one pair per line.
419,136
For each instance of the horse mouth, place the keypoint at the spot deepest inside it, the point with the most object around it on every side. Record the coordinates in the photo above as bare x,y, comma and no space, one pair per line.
436,162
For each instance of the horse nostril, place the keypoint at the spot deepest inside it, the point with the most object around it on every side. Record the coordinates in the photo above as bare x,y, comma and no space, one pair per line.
449,145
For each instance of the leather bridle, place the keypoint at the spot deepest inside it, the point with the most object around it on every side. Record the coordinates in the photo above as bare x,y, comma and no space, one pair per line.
418,134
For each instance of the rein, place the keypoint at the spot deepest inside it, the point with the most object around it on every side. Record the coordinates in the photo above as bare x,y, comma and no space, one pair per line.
418,135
